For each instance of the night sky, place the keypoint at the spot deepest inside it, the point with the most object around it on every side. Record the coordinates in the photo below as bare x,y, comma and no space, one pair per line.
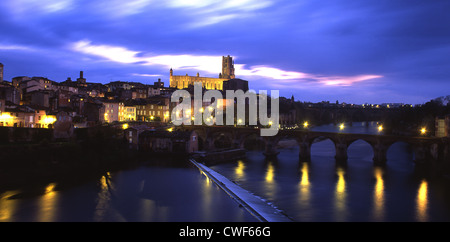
377,51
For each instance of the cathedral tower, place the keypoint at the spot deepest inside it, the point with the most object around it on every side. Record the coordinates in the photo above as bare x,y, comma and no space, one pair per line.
227,67
1,72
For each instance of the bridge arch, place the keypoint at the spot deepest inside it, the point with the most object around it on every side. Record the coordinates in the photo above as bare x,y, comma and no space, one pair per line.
400,152
251,141
222,140
323,145
361,149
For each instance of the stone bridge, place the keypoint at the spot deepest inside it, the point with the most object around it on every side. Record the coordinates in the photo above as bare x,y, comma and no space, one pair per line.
425,148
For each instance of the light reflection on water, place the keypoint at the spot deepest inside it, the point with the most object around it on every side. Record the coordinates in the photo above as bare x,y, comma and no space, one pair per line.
322,190
319,190
340,195
48,204
422,201
378,194
144,194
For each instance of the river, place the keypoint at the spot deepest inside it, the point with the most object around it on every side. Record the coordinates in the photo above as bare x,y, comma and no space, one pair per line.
320,190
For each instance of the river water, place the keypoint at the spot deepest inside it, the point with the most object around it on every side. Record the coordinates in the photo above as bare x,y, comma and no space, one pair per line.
320,190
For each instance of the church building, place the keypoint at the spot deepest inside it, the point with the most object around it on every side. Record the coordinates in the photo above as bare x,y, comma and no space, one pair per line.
227,73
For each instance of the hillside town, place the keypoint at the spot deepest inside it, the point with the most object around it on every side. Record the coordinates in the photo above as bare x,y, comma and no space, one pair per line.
38,102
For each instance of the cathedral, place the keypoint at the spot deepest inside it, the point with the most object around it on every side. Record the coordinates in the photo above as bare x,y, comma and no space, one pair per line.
181,82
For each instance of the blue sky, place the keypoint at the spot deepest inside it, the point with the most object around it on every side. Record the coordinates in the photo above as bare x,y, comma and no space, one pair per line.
351,51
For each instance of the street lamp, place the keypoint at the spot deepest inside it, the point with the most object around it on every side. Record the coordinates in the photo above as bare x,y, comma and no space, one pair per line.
305,124
380,128
423,131
342,126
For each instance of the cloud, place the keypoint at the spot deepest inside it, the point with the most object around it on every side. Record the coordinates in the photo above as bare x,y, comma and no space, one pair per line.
20,7
146,75
208,12
15,47
209,64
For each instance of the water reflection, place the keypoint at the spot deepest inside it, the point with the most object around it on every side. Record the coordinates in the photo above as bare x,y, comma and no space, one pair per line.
7,206
270,184
269,173
239,171
305,186
207,198
378,194
422,201
48,204
340,195
103,198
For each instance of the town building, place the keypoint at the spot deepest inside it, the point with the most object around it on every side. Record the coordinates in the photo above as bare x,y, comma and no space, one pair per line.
151,110
112,110
235,84
442,126
128,113
132,135
168,141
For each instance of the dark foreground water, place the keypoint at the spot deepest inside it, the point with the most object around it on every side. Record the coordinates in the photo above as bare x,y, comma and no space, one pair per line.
319,190
150,193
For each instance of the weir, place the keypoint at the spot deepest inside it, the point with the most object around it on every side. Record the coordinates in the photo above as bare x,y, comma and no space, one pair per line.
254,205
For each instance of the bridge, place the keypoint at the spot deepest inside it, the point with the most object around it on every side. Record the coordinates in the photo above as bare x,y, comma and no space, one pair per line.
424,148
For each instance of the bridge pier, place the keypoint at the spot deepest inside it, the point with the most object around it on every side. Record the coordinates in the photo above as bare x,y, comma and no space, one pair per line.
271,148
420,154
379,154
209,144
305,152
341,152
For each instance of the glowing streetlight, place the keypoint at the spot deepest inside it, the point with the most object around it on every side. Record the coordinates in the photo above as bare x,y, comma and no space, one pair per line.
170,129
201,110
305,124
125,126
423,131
270,122
380,128
342,126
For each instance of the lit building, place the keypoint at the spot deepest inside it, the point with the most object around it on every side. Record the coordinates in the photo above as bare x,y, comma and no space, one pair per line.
227,73
117,111
24,116
127,113
111,111
442,126
151,110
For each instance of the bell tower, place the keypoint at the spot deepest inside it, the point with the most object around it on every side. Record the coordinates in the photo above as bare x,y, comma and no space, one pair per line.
227,67
1,72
